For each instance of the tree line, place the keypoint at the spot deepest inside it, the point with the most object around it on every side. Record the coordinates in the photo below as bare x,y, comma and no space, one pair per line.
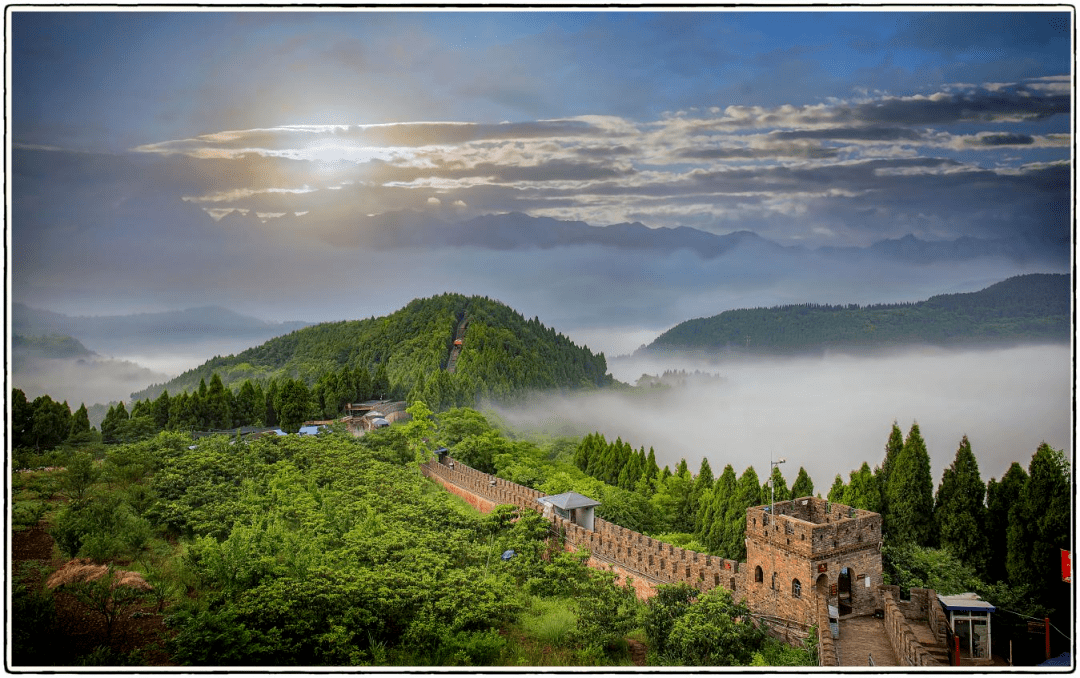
1032,307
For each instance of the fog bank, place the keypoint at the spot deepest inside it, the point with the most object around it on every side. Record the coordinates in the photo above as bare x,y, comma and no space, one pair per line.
829,414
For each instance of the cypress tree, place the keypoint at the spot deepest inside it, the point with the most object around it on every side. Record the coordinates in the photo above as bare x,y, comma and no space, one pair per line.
910,494
703,483
804,486
893,447
1000,498
80,422
862,490
747,494
1045,511
836,492
959,513
723,492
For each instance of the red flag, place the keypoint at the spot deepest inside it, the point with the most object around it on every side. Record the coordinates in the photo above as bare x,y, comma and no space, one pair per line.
1066,566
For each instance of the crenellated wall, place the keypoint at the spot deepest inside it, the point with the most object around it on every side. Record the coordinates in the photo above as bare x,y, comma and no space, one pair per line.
898,617
633,553
807,539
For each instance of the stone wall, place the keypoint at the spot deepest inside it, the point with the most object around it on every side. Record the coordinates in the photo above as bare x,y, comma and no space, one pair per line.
805,545
909,651
826,643
633,553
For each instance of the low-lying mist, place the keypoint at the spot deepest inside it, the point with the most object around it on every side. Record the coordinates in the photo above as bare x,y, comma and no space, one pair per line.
829,414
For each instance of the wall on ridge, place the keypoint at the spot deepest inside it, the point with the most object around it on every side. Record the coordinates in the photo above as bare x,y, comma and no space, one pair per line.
632,553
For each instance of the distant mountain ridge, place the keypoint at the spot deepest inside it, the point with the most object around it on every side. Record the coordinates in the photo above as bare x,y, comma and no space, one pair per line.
519,231
138,331
1027,308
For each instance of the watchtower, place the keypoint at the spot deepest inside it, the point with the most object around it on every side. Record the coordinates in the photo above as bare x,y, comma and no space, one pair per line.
797,548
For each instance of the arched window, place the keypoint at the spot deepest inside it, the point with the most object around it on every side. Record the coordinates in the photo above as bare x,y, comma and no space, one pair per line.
774,582
796,588
759,576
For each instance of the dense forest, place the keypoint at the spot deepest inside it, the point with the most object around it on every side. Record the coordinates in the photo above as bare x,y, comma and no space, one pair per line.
332,550
1025,308
502,354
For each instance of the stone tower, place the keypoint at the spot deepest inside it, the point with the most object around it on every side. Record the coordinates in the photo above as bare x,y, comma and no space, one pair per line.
811,545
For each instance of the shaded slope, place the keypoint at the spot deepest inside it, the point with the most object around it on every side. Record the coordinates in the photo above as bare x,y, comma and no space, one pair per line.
1021,309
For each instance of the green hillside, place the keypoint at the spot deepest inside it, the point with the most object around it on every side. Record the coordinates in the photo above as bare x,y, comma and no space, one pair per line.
407,351
1024,308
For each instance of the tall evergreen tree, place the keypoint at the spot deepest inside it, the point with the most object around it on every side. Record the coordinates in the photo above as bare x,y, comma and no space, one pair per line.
862,490
160,411
703,483
1001,497
1045,510
22,420
80,423
723,492
114,420
51,422
893,447
747,494
836,492
959,513
910,494
803,486
218,415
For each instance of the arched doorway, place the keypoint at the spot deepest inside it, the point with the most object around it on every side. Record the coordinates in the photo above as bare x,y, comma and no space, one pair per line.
843,591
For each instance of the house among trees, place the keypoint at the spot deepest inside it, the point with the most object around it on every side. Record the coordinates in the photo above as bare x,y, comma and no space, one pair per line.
577,508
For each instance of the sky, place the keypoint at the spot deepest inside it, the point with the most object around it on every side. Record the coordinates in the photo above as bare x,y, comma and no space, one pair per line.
262,160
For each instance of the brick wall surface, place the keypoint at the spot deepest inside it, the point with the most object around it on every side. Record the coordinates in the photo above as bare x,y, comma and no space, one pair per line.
803,545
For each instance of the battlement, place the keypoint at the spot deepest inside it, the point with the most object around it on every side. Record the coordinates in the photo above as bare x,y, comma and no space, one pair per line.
813,528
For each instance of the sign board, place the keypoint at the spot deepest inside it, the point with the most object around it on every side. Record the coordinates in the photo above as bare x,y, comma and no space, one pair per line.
1066,566
823,567
832,590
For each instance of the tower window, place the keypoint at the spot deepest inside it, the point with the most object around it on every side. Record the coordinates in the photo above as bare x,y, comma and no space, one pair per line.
759,576
796,588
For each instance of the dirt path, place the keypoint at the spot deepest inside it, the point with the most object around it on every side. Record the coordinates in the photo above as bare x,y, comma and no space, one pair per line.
638,652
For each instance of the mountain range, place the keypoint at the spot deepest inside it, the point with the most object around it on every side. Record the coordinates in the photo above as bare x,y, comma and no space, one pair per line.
518,231
117,334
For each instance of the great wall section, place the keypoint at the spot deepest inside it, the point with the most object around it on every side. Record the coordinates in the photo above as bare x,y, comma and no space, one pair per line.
803,557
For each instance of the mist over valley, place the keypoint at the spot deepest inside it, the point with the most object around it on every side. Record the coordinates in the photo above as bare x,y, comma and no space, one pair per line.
829,413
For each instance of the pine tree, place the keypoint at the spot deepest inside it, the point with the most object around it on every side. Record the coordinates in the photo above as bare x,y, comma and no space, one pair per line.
22,420
804,486
218,415
776,489
747,494
862,490
80,423
910,494
1045,507
160,411
713,530
893,447
703,483
114,420
1000,498
959,513
836,492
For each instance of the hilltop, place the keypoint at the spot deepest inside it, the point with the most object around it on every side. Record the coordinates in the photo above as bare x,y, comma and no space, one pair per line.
408,352
1022,309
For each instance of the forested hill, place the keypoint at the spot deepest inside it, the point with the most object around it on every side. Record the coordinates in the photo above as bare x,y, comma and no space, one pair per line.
1024,308
406,353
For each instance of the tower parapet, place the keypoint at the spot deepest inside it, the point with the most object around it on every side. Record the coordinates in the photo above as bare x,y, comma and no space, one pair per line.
798,547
